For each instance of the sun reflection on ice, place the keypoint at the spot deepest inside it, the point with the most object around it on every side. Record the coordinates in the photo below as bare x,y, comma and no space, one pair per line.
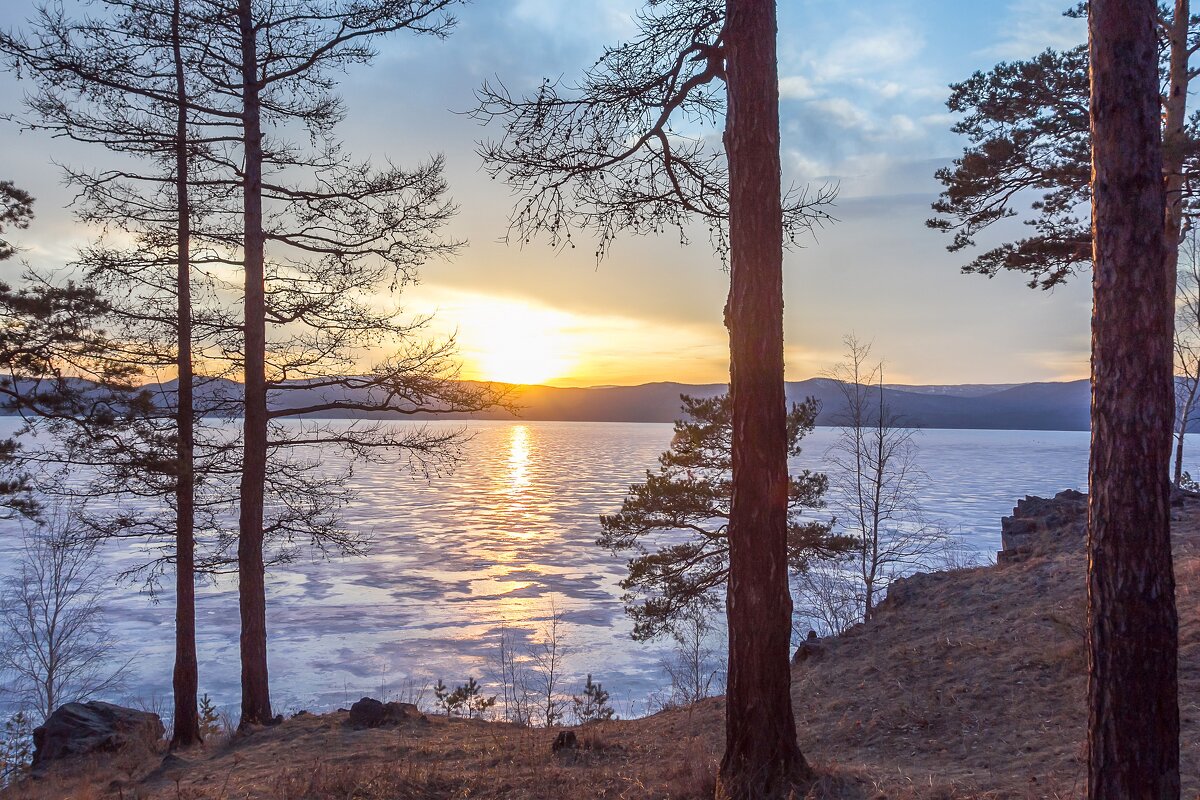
518,458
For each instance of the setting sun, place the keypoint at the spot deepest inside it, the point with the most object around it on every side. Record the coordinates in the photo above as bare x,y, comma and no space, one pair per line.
514,342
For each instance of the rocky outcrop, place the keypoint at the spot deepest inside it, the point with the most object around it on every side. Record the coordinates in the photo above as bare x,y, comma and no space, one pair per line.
1035,520
82,729
902,591
809,648
371,713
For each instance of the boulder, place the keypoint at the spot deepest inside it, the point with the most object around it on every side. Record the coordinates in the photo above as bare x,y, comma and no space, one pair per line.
809,648
566,740
81,729
371,713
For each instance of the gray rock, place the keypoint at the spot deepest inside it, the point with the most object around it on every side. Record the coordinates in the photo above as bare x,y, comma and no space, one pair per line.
370,713
80,729
810,648
1037,519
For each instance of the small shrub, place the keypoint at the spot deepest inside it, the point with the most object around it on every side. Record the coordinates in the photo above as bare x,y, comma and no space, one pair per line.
473,701
16,747
466,700
442,693
593,705
210,718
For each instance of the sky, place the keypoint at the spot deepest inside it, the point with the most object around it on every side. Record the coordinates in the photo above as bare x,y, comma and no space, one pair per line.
863,89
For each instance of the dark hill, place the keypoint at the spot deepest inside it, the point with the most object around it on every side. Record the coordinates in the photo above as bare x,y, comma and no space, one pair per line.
1032,406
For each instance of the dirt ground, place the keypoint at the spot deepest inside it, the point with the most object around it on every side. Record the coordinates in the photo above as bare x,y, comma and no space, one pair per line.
967,684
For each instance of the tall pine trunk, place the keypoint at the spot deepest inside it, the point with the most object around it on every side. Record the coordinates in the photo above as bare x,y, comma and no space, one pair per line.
256,697
185,680
762,758
1133,725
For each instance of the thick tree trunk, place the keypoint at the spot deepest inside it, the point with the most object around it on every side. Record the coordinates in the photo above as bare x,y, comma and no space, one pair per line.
1133,727
256,697
185,681
762,758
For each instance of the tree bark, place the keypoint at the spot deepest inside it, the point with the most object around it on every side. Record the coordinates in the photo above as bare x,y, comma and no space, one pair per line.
1133,725
185,680
256,698
762,758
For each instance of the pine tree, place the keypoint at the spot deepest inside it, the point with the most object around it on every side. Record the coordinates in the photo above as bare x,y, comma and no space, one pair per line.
690,494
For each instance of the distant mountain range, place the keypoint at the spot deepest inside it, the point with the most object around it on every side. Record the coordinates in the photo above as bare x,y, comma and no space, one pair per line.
1031,406
1062,406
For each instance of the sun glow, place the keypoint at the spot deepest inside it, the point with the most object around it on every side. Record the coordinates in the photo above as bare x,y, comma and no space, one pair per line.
512,342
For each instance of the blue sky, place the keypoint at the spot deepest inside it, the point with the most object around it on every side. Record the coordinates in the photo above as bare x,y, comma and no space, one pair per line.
863,90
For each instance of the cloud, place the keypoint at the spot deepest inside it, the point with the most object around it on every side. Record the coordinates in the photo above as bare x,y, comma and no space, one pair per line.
843,112
872,48
1034,25
796,87
588,19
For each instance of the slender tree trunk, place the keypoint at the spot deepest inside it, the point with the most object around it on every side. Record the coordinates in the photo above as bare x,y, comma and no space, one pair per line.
1185,416
1133,725
762,758
1175,147
252,597
185,681
1177,478
1175,139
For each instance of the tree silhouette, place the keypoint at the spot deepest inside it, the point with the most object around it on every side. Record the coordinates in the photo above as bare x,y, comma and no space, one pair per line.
314,237
120,80
1027,124
16,210
614,154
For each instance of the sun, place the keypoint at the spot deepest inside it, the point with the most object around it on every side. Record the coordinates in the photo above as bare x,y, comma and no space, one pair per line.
521,356
512,342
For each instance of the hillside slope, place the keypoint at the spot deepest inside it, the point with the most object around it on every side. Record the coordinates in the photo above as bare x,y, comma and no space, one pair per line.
967,684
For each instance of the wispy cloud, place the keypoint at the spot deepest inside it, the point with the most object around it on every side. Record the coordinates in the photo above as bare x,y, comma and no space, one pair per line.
796,87
1034,25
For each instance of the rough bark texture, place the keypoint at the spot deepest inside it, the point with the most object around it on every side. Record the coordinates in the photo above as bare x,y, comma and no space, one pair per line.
256,697
1133,726
762,758
185,680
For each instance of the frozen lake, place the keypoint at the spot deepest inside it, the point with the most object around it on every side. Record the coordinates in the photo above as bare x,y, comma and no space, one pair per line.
457,560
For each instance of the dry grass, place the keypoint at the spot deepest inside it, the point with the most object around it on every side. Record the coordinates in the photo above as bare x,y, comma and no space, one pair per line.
967,686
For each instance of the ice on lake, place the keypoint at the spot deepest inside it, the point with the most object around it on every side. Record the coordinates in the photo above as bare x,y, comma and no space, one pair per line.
457,560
